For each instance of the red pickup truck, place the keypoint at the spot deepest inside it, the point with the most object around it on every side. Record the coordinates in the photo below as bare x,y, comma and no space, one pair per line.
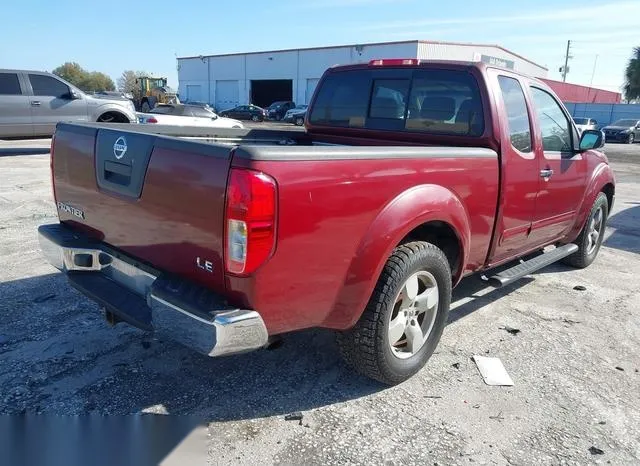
410,176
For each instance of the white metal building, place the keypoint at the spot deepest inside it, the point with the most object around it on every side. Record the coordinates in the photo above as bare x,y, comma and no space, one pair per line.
225,81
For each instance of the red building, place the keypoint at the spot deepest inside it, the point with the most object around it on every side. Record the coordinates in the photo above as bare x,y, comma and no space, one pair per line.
582,94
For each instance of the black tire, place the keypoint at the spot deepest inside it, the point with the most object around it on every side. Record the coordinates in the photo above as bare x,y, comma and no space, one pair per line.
631,139
255,118
299,121
585,255
365,347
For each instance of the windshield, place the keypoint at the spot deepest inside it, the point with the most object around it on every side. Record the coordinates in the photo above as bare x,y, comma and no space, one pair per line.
624,123
276,105
581,121
162,109
301,107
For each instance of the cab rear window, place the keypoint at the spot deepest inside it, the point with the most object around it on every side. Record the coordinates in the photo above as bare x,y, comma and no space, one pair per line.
430,101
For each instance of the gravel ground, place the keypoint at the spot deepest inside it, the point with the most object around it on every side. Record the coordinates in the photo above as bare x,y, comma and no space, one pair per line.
575,362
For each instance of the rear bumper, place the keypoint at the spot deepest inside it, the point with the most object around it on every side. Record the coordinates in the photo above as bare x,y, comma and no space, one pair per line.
146,298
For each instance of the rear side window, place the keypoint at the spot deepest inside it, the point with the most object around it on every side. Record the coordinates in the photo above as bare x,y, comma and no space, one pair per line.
9,84
517,116
47,86
435,101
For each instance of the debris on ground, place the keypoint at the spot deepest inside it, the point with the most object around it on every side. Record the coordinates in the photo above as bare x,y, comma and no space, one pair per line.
433,396
296,416
492,371
580,288
511,330
602,423
570,321
44,297
595,451
456,365
620,368
498,417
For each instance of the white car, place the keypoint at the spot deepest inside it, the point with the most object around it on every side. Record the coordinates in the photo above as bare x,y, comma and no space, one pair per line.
187,115
585,123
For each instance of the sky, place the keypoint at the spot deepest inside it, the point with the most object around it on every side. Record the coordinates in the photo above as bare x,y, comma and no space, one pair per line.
118,35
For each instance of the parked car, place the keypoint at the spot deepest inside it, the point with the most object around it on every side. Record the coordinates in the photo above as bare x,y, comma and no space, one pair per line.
627,130
362,224
277,110
585,123
296,115
33,102
245,112
186,115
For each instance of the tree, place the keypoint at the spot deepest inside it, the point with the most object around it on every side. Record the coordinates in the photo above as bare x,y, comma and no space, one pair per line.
632,77
127,82
88,81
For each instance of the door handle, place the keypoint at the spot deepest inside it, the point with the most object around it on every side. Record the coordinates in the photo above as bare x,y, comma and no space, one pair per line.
35,103
546,173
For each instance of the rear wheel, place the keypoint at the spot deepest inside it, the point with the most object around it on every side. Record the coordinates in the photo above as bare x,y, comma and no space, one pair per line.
404,319
299,121
591,236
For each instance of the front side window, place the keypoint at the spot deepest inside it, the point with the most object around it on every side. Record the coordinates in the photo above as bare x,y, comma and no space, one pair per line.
554,125
517,116
9,84
47,86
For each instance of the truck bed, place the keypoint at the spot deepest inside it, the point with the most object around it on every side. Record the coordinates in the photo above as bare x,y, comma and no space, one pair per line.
163,204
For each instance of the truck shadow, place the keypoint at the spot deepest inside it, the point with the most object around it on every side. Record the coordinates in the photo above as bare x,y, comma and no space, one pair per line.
64,358
626,226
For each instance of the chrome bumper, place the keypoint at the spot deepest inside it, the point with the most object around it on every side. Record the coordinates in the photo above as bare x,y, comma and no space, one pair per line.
149,300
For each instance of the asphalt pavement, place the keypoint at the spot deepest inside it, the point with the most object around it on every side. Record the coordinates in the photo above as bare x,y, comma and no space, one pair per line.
575,361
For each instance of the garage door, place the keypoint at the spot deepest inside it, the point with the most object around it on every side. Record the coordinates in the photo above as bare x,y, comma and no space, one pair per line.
227,93
194,92
311,86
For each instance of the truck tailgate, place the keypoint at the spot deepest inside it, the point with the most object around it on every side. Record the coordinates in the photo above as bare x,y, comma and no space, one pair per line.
157,199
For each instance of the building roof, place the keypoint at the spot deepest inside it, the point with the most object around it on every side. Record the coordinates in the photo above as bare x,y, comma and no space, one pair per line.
462,44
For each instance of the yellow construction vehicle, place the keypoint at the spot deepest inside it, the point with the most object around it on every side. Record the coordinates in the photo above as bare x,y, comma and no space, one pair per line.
153,91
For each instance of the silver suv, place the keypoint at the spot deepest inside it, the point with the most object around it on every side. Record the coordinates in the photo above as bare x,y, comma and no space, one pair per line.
33,102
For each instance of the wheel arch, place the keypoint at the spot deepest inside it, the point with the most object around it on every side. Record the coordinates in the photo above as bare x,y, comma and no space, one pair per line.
423,213
602,181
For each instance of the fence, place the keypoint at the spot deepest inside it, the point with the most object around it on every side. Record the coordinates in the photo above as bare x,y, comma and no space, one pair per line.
604,114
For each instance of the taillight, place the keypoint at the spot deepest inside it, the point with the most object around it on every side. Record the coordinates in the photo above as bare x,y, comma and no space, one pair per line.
250,220
151,120
53,186
395,62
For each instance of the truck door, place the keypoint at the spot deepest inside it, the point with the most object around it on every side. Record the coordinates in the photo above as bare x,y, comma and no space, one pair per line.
562,170
15,113
52,102
519,169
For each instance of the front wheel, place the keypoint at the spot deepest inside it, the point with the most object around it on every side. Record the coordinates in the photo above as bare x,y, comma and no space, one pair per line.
591,236
299,121
632,138
404,319
255,118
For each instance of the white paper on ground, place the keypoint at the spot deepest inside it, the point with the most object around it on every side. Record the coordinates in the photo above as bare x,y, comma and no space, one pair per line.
492,371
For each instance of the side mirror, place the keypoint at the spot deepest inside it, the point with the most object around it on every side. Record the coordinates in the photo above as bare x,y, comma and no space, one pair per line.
73,95
591,139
